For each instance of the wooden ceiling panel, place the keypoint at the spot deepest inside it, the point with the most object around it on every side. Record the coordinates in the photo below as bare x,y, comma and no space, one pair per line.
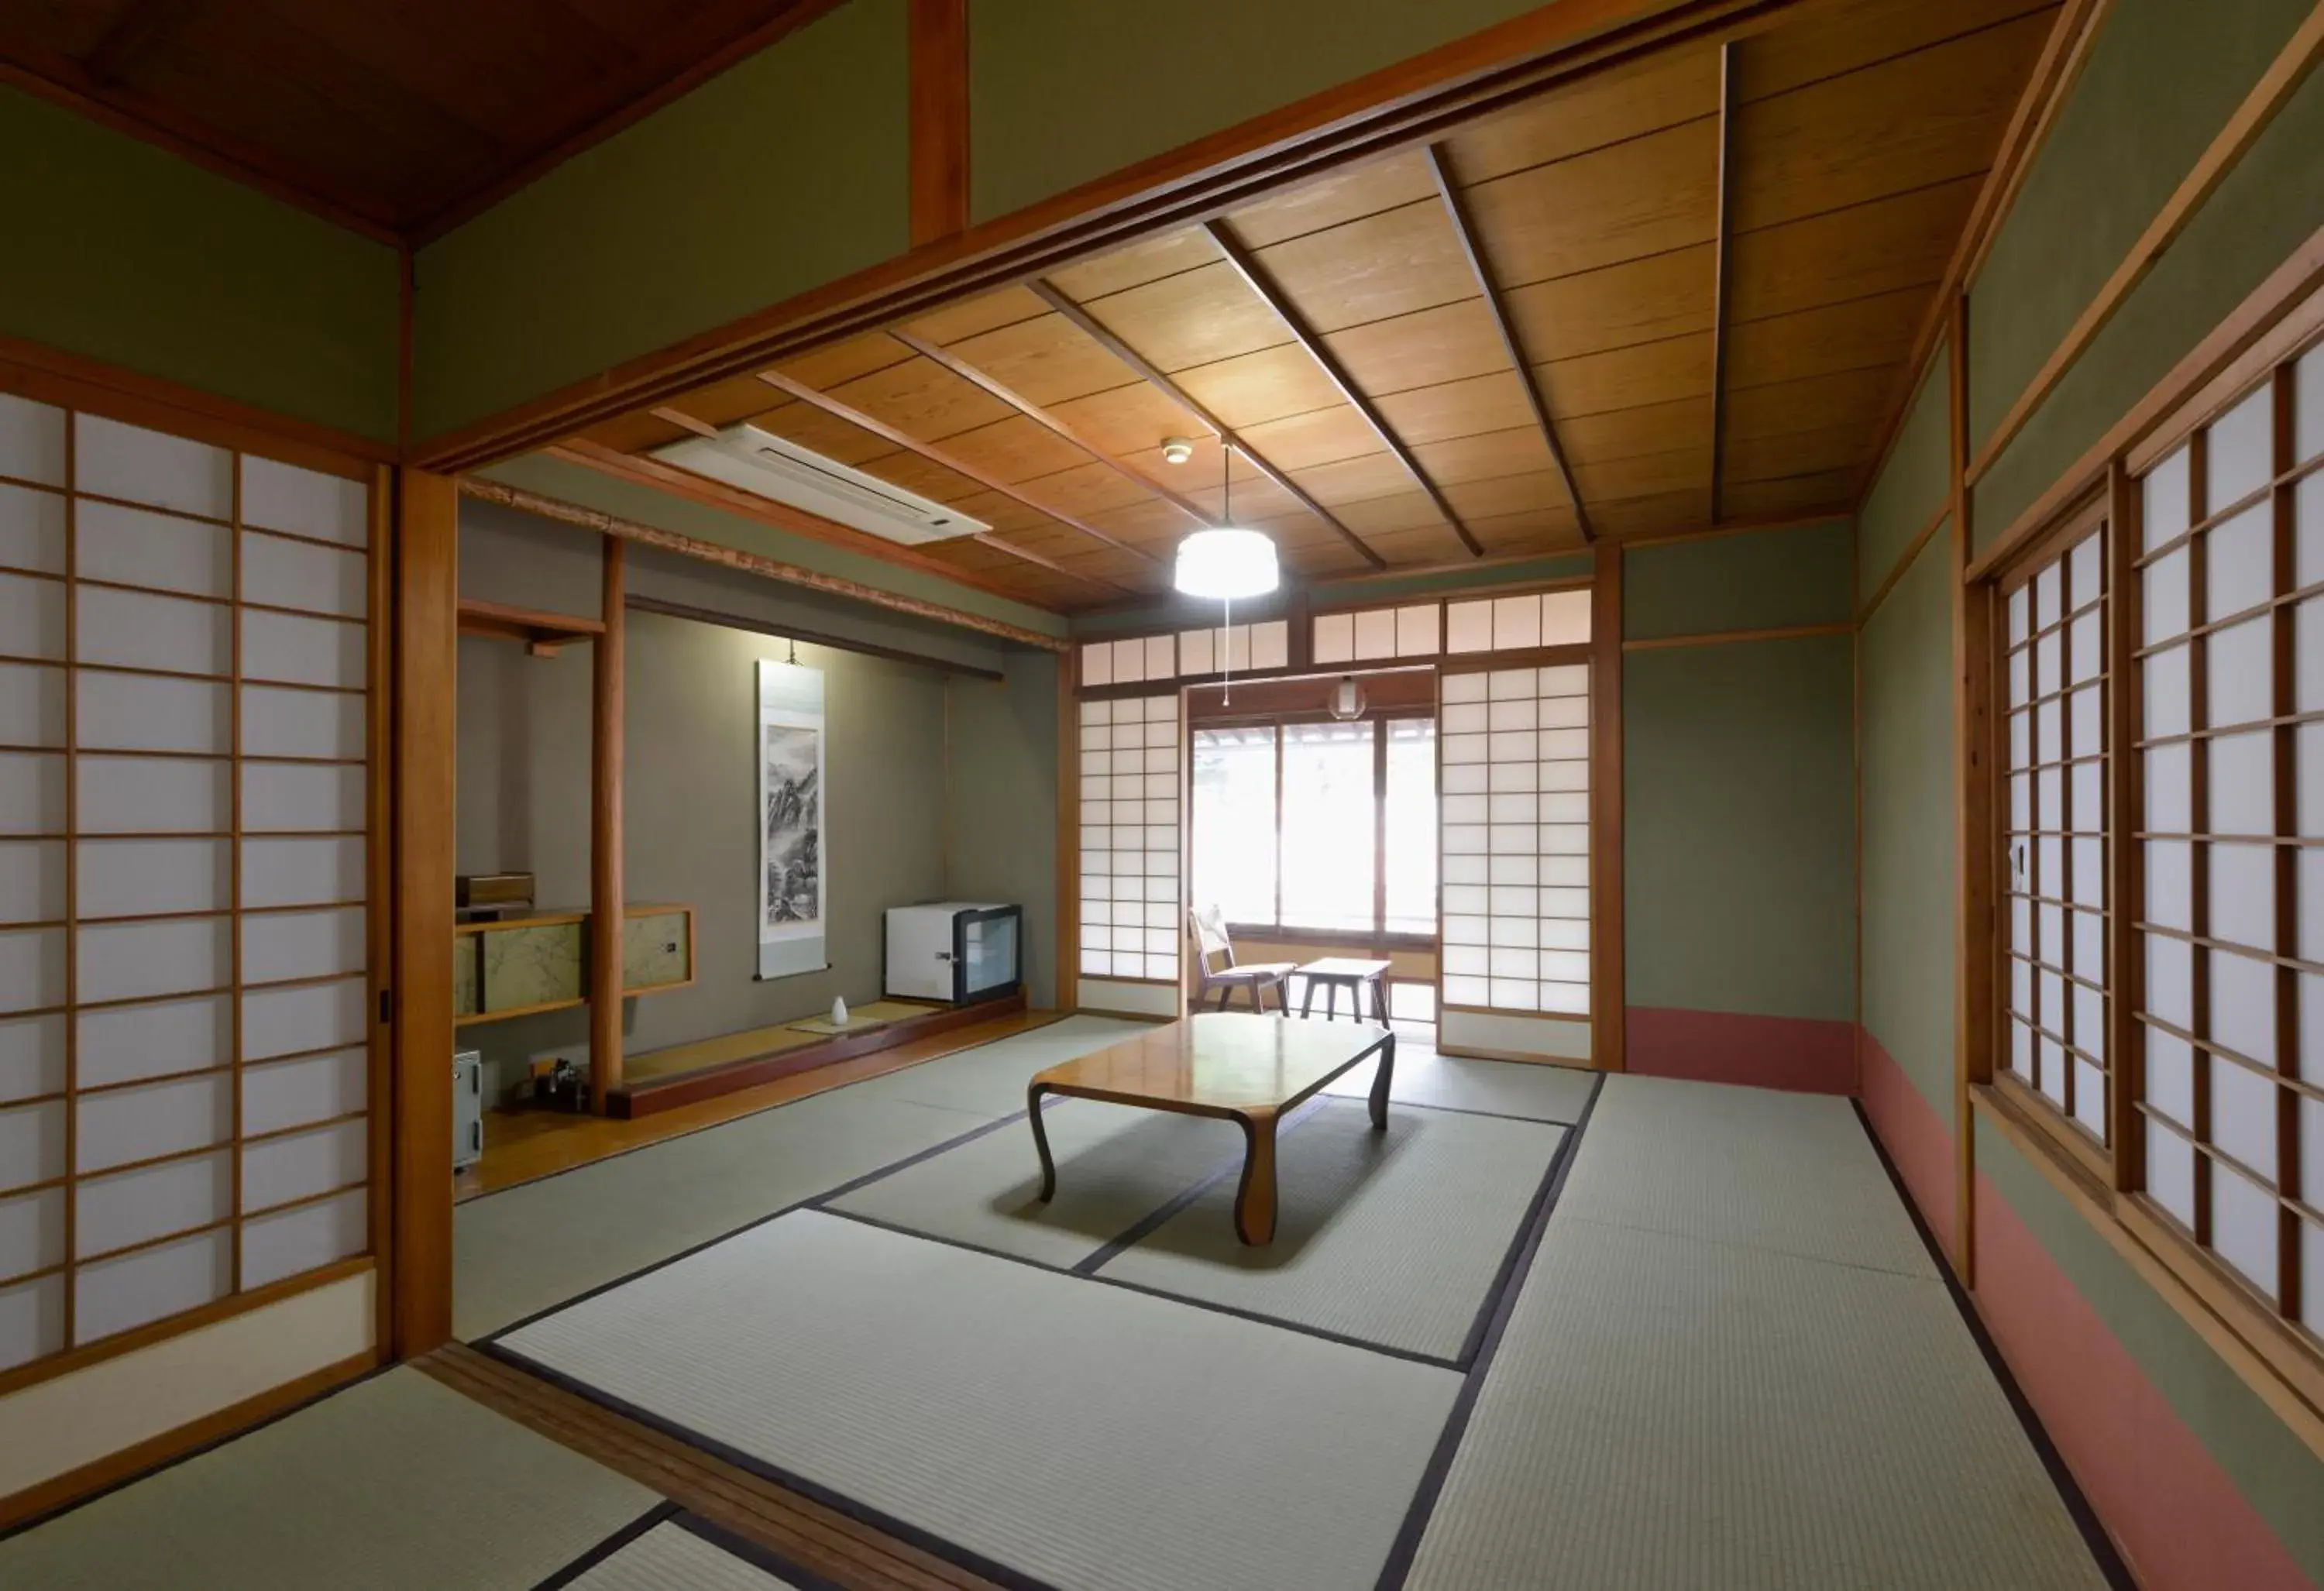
1046,361
1652,194
990,312
1015,449
1875,248
1147,260
1615,306
1519,450
1195,317
1509,494
1849,336
1148,522
1796,453
1389,264
1319,436
1815,404
1628,102
1833,493
1391,513
1003,513
921,398
1082,490
1660,513
1345,196
1357,479
1259,387
723,403
1909,122
1650,427
1450,343
1485,403
1835,39
1624,377
922,475
838,364
1127,419
1534,530
1424,544
641,432
1649,474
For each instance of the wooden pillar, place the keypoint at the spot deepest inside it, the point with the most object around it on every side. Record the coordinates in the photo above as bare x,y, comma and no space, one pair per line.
606,891
940,119
1976,851
427,602
1609,1028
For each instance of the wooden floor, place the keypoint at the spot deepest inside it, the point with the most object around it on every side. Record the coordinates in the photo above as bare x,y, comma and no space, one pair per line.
524,1145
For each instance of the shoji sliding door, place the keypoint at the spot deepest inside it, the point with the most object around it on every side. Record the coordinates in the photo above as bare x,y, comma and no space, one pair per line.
1131,925
186,878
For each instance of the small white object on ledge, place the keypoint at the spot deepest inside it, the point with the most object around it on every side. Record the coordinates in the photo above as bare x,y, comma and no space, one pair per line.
838,1012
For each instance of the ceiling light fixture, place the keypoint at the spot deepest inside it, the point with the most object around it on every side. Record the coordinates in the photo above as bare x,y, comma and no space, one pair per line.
1225,563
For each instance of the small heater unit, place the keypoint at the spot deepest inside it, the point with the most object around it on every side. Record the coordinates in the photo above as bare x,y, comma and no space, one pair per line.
954,951
467,1109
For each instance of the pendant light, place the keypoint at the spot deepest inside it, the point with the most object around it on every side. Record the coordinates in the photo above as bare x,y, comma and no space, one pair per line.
1226,563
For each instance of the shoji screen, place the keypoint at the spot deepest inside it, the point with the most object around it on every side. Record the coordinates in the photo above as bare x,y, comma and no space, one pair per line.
1515,817
1130,893
185,1008
2231,669
2056,868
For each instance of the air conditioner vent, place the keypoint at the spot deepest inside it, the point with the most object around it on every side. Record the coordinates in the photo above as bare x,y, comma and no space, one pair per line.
783,471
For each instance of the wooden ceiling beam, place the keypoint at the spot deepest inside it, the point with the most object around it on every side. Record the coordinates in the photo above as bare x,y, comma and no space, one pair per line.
937,456
1255,277
1050,423
1721,253
1104,337
1464,228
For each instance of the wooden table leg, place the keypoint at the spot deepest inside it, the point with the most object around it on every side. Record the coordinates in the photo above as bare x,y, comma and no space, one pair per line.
1380,999
1041,1142
1254,1211
1381,1081
1331,999
1307,999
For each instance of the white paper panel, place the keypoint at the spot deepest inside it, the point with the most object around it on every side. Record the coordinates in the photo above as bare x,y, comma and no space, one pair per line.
154,1040
31,881
31,1144
2241,452
283,796
2168,693
31,969
1376,633
1097,664
2170,883
2171,1076
308,1016
1469,627
277,872
279,945
32,440
136,546
1198,651
292,1241
154,795
132,877
2241,673
2170,793
31,1319
31,1056
31,1232
1270,644
1161,656
279,723
305,502
2244,1226
2308,529
2165,488
1415,630
1565,618
2243,895
115,460
2171,981
117,1294
31,705
2242,1115
31,793
2242,788
2239,563
302,650
299,1166
142,630
151,1201
32,616
1335,638
133,1124
2243,1005
2308,655
136,960
1516,622
138,712
294,1093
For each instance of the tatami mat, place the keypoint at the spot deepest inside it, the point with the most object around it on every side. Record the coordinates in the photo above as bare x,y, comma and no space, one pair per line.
519,1252
1792,1173
1502,1088
1115,1166
671,1557
1666,1410
1086,1436
1393,1238
393,1483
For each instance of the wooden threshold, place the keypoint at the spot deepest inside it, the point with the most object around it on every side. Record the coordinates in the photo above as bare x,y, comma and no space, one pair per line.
814,1535
648,1096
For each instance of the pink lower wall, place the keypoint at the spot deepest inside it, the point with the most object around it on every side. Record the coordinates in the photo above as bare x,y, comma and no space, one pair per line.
1796,1052
1918,1140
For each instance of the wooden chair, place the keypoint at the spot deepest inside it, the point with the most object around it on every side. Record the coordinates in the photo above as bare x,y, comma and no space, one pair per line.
1210,939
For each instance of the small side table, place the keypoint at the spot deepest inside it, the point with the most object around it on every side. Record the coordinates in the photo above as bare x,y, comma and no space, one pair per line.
1336,972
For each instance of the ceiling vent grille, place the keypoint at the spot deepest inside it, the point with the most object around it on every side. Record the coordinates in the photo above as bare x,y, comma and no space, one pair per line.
783,471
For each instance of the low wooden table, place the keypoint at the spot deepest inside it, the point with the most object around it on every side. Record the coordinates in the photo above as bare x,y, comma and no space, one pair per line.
1351,973
1243,1068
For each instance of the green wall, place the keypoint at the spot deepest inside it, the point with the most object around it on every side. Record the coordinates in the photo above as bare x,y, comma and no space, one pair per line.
579,483
787,171
1001,801
1739,829
1062,92
2277,1474
119,251
1905,654
2161,79
1914,483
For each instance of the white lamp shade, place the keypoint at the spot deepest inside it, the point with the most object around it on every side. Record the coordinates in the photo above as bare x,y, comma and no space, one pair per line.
1226,563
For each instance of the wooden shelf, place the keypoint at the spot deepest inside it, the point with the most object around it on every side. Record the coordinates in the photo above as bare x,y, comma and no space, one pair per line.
539,632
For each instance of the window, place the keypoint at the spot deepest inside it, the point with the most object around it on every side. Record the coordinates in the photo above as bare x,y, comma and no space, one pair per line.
1515,827
2055,872
1292,818
1130,925
2230,932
